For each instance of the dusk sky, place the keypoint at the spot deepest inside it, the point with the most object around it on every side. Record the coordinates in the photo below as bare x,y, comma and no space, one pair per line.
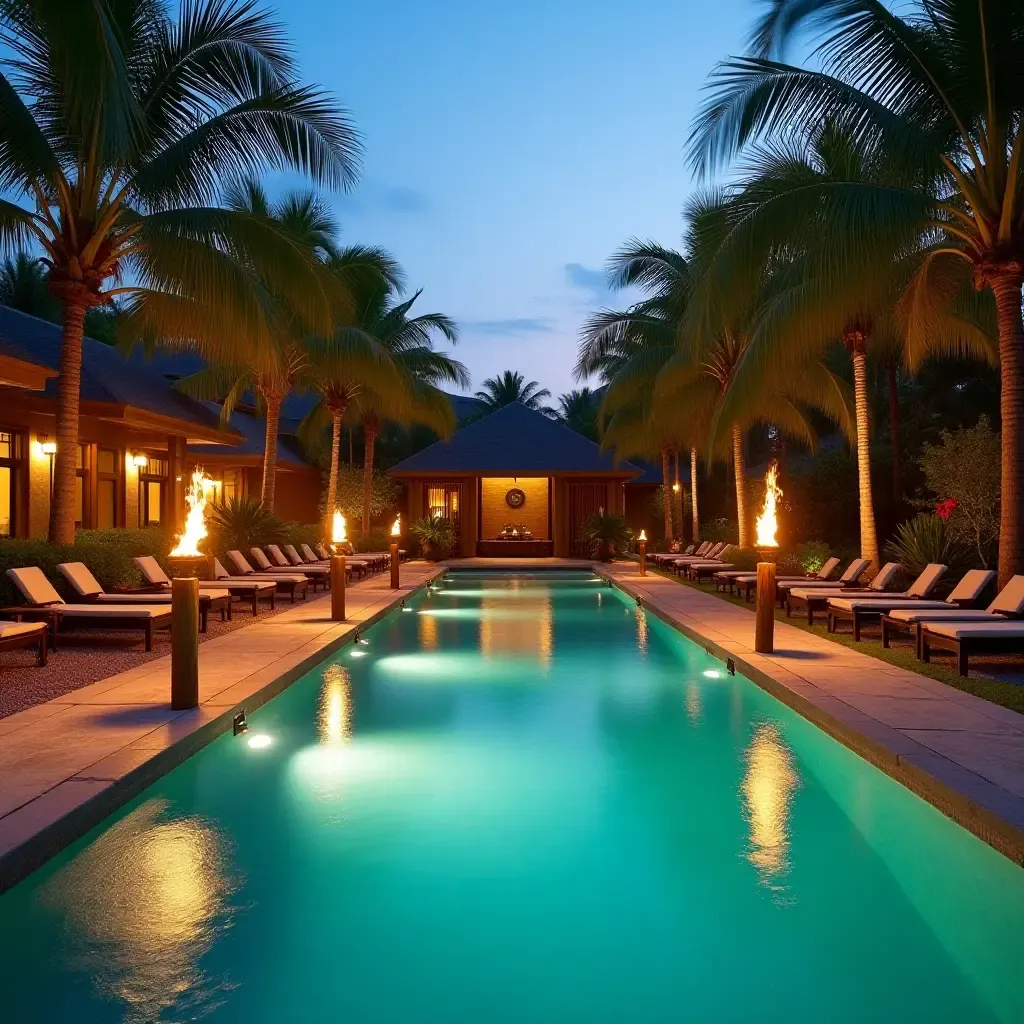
511,148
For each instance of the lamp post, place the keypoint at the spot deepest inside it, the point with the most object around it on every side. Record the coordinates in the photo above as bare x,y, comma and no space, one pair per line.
338,568
184,643
139,461
642,540
49,448
396,532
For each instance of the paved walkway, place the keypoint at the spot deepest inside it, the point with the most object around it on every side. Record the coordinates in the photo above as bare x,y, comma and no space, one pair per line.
68,763
962,753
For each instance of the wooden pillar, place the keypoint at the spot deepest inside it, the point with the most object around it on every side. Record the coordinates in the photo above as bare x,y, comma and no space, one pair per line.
176,482
764,616
338,588
470,515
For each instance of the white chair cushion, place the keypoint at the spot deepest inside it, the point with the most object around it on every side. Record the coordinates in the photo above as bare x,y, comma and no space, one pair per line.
925,583
81,579
972,585
237,559
21,628
34,586
103,610
151,571
966,630
260,558
913,614
1011,598
279,556
880,604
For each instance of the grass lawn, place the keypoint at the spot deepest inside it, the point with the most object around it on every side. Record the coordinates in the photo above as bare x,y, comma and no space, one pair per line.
1008,694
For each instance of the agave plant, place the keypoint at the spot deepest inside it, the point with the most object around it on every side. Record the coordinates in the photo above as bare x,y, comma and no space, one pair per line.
243,523
927,538
607,535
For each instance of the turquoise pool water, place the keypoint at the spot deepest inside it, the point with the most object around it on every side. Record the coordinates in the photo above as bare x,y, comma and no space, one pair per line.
523,800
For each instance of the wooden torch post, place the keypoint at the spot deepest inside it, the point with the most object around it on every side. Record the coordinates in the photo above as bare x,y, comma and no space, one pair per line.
184,643
642,540
338,570
338,588
764,616
396,531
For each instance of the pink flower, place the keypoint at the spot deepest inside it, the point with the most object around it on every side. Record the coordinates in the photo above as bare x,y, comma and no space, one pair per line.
944,509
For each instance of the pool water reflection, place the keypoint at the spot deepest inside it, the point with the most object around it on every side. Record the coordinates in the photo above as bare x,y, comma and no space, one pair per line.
527,800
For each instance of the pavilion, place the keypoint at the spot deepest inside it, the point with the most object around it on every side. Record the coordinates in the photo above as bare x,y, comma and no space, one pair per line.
515,482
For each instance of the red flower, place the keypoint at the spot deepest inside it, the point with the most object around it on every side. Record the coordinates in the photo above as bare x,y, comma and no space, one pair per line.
944,509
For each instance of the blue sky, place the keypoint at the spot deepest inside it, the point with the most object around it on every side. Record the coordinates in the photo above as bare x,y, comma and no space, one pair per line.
512,147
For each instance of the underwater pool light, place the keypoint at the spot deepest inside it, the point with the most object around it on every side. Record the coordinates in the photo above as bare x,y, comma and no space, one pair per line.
712,673
357,654
259,741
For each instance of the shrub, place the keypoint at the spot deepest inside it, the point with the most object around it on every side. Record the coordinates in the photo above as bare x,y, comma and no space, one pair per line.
963,471
375,540
741,558
927,538
107,553
607,535
243,523
718,530
303,533
436,534
384,493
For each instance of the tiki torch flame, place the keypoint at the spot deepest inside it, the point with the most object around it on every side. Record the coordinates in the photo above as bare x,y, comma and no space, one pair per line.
195,521
767,521
396,527
643,536
338,528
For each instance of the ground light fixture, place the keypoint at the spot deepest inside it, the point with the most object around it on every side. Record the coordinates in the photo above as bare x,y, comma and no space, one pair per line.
239,725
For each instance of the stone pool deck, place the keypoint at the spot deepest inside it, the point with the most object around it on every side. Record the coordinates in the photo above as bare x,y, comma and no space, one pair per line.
963,754
68,763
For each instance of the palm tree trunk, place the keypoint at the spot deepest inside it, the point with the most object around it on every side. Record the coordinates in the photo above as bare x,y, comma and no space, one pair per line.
868,535
69,384
273,403
332,479
741,485
351,447
677,495
1007,289
894,437
693,495
370,427
666,494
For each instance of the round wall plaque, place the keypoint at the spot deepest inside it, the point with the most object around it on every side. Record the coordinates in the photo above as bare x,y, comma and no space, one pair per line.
515,498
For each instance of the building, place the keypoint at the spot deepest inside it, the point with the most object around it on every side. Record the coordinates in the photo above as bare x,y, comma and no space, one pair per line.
515,470
135,433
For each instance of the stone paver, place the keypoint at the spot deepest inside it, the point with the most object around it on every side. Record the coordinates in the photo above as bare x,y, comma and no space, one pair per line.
963,753
66,764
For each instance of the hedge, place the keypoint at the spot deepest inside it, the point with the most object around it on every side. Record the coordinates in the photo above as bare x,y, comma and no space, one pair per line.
107,553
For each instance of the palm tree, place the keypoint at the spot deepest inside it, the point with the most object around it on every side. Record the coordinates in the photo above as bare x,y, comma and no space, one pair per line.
577,409
277,358
118,122
636,344
511,387
352,359
409,342
936,94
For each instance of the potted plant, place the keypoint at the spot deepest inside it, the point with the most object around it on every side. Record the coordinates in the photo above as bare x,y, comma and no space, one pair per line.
436,536
607,535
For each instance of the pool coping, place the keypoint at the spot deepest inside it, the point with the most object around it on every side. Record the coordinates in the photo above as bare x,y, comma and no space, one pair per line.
983,822
55,835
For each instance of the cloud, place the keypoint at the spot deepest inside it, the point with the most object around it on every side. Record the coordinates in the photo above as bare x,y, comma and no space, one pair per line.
592,281
376,196
514,325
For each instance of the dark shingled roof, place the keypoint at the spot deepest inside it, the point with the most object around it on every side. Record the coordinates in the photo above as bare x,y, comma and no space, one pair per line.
106,375
513,439
253,433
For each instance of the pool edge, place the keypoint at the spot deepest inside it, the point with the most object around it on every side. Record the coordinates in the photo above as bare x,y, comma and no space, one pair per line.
21,861
988,826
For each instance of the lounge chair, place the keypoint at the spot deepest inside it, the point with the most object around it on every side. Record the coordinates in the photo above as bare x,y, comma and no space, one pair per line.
816,598
88,588
698,571
316,573
354,566
849,579
678,563
965,639
1008,604
15,635
658,557
862,610
44,603
377,559
249,590
746,581
290,583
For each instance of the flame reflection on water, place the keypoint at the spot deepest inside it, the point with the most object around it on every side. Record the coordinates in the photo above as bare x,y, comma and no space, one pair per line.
142,904
768,786
334,711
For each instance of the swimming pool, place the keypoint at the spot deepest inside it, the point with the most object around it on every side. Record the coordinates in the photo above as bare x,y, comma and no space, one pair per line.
524,799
